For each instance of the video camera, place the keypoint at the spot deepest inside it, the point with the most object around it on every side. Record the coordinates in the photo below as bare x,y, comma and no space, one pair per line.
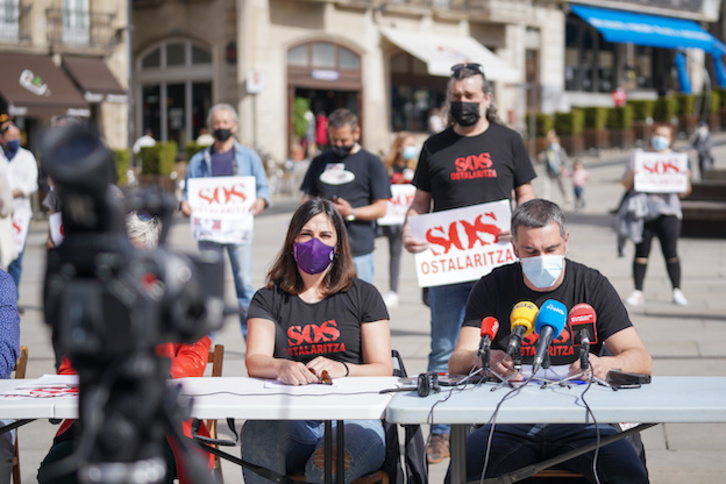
111,304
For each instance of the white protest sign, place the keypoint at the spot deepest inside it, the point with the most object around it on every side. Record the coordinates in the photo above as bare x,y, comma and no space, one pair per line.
464,243
397,205
21,223
55,223
221,208
661,172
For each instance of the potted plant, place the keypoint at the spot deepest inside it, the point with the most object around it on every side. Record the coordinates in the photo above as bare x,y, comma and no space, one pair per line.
620,126
569,127
595,119
642,118
687,117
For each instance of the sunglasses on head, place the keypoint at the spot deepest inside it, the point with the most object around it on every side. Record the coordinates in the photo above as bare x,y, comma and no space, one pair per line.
145,216
472,66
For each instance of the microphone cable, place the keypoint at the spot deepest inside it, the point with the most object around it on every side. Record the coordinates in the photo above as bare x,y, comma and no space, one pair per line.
492,423
592,415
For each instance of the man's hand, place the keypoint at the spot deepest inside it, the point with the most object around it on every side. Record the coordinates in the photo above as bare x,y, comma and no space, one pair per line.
186,209
411,243
343,206
258,206
600,367
502,364
17,193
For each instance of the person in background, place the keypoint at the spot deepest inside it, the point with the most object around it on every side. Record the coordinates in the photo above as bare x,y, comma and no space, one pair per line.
226,157
20,168
436,122
400,165
702,145
554,158
356,181
144,141
312,288
204,138
9,352
661,218
579,176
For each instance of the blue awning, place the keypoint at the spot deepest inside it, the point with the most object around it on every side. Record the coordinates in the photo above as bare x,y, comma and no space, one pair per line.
671,33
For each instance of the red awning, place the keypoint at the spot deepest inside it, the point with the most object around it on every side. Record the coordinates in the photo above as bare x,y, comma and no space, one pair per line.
94,78
34,87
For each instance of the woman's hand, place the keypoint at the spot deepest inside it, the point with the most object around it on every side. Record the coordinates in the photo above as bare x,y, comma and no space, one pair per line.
295,373
335,369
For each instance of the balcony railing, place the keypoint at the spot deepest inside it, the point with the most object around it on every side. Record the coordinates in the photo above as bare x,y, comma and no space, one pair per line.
15,23
81,28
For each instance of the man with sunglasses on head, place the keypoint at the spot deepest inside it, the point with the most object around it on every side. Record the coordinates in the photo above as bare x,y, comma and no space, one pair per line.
20,168
444,181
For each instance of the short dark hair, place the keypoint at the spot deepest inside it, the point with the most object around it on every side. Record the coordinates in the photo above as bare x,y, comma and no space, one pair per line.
284,272
538,213
343,117
464,71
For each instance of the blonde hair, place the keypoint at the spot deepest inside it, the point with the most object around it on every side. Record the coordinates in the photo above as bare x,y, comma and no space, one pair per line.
396,153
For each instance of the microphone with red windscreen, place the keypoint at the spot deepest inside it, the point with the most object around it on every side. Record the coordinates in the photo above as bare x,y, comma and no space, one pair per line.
581,320
489,328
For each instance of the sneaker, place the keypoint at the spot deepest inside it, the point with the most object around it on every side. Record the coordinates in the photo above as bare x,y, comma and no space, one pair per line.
636,299
438,448
679,298
391,299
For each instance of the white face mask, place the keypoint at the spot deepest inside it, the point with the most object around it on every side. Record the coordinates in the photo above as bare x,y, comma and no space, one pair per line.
544,270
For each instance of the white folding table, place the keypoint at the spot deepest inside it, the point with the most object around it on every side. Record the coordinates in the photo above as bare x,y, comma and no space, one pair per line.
666,399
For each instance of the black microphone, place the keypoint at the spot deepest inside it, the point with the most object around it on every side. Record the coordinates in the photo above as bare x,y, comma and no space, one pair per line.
581,321
550,322
489,328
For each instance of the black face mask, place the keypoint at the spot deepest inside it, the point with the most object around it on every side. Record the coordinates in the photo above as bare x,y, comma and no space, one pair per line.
342,151
464,113
222,134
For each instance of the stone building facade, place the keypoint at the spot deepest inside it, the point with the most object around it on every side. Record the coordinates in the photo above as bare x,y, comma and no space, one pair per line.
386,60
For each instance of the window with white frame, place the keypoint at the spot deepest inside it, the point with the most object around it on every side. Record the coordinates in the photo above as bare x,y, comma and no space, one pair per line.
175,90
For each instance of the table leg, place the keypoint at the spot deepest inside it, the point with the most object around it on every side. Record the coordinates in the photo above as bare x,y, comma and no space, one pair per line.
457,441
340,453
328,451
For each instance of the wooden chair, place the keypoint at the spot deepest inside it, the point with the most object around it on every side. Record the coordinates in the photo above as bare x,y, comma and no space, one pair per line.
216,358
20,367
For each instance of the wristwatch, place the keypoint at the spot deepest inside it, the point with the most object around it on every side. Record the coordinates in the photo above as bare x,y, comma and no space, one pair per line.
351,217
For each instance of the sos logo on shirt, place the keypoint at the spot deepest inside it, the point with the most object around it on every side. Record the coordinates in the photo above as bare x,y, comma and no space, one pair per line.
474,166
314,339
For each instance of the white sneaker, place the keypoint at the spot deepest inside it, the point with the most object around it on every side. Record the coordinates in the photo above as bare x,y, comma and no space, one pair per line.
636,299
391,299
679,298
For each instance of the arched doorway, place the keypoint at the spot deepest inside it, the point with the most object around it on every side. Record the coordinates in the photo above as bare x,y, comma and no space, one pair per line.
322,76
174,91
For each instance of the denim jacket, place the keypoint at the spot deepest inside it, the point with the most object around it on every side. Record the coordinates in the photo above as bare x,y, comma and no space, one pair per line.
246,163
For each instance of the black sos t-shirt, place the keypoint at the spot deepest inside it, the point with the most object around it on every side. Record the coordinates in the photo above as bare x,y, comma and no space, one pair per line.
330,328
460,171
359,179
496,294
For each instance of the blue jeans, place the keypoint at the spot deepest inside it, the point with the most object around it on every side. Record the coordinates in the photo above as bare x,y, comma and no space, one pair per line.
516,446
364,265
240,258
15,268
287,447
447,313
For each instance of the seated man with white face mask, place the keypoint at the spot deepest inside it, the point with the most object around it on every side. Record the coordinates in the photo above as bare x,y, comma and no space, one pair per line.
540,240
